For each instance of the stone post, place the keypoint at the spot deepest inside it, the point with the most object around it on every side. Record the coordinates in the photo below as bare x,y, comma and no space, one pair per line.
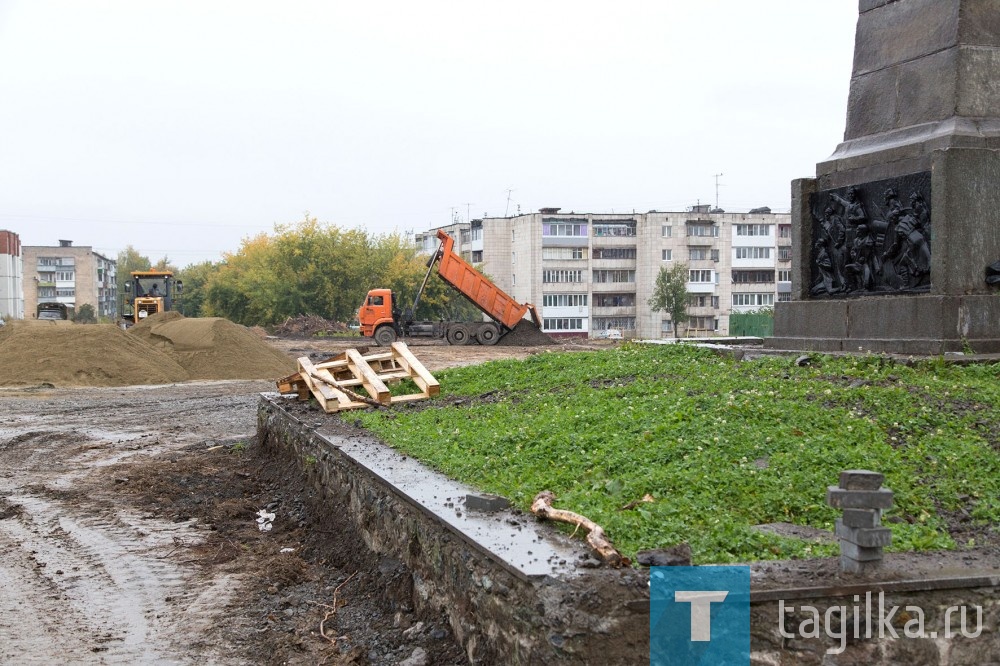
861,495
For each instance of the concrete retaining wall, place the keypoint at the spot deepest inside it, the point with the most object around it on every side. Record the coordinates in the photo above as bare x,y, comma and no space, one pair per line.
502,607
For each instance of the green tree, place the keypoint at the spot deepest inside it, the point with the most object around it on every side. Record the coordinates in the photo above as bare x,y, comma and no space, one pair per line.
195,278
85,314
670,294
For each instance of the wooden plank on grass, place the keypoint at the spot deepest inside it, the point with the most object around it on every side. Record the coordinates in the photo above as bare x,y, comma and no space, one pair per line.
421,377
324,394
376,389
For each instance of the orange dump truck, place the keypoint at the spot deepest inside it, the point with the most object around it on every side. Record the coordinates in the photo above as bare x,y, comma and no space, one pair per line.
382,319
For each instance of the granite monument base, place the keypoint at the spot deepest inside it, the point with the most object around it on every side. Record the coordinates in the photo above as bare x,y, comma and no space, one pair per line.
920,325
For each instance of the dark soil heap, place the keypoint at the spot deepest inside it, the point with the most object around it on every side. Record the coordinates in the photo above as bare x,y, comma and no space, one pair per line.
526,334
212,348
65,354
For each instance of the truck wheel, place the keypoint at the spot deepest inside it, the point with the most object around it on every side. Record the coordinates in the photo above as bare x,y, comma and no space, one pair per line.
489,334
459,335
385,336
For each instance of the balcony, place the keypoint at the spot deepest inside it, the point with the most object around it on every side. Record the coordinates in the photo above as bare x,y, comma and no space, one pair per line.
621,311
701,287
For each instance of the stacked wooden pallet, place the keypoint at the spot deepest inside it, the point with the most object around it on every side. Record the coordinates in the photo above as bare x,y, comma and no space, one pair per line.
337,381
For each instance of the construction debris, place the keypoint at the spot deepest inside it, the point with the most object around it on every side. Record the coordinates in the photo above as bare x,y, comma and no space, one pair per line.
542,507
333,382
308,326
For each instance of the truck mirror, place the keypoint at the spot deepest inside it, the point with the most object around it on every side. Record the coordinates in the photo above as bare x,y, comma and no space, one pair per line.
128,286
180,286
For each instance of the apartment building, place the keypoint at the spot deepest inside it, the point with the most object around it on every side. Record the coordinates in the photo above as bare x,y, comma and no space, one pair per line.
69,275
468,238
590,273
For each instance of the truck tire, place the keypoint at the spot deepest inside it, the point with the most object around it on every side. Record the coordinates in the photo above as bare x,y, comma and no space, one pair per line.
458,335
385,336
489,334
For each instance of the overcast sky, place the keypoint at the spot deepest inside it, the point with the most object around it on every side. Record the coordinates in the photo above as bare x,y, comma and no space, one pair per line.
182,126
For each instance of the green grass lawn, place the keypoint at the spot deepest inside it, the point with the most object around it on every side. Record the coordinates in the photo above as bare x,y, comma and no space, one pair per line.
720,445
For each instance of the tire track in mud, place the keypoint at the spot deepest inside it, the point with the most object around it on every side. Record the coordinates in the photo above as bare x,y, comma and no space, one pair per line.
105,575
81,580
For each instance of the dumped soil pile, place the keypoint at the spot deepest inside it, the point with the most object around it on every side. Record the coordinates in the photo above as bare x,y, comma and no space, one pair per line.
67,354
526,334
212,348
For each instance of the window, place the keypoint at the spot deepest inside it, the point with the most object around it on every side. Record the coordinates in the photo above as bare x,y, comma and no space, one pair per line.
566,229
564,300
784,253
557,276
752,252
477,233
753,300
697,254
666,326
784,231
784,276
753,277
65,292
784,297
477,256
614,276
513,257
703,323
715,255
614,300
666,231
562,253
375,300
702,230
621,323
614,253
66,276
46,292
668,255
626,228
701,276
703,301
753,229
563,324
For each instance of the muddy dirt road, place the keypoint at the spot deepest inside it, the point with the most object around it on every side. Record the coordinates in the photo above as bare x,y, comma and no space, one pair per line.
128,534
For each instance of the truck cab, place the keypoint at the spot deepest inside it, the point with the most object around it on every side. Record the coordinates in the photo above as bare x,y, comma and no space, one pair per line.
379,317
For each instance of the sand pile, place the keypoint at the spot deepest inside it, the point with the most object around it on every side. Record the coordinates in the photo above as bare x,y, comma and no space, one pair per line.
213,348
164,349
66,354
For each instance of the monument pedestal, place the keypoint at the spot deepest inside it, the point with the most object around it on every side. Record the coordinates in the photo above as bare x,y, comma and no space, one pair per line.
892,239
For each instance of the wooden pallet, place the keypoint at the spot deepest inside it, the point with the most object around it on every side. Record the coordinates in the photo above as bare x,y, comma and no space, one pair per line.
335,382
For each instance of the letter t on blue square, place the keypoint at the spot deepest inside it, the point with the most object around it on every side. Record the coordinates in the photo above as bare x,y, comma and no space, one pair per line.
699,616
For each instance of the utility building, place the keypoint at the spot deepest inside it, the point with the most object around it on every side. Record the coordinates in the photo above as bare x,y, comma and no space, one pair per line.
11,276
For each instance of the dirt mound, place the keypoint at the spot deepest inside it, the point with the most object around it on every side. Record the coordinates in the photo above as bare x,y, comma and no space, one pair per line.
213,348
66,354
526,334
